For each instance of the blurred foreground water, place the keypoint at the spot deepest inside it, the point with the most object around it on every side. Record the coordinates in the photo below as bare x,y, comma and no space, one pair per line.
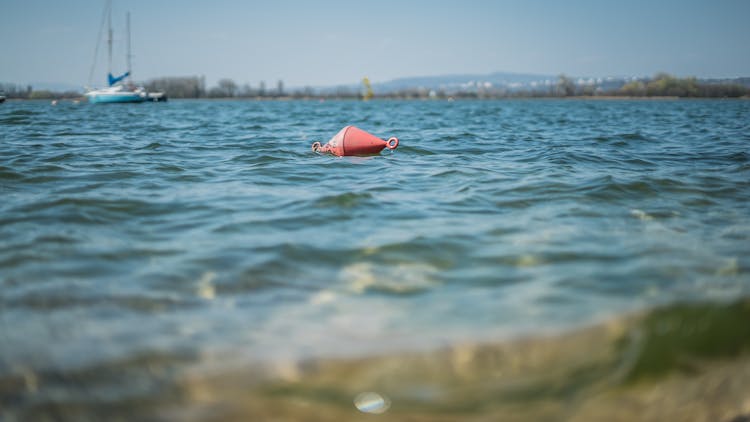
511,260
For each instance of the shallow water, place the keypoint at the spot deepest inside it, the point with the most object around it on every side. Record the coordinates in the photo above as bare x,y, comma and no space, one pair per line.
206,233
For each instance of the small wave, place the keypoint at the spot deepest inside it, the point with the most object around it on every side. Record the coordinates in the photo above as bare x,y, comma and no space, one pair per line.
15,120
8,174
610,189
94,210
169,168
151,146
739,157
450,173
66,300
257,159
641,162
23,113
68,156
19,117
415,150
344,200
56,239
632,136
466,138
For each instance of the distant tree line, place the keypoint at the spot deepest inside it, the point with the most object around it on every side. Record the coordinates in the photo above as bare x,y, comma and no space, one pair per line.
665,85
178,87
27,92
195,87
661,85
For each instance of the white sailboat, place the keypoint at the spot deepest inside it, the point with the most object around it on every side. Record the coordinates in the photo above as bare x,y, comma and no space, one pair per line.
121,88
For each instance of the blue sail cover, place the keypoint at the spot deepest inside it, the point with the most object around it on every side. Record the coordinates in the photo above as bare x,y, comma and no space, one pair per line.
112,80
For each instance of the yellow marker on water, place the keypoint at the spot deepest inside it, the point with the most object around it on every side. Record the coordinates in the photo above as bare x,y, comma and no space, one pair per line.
368,89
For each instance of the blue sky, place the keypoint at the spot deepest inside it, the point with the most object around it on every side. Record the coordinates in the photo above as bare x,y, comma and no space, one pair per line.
330,42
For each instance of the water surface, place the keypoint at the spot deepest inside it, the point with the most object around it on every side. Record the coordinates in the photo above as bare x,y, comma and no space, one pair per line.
206,234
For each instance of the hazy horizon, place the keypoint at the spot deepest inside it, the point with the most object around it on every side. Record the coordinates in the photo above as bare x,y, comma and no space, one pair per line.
336,42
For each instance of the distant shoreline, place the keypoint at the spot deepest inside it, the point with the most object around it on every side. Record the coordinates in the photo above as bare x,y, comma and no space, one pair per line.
659,87
449,99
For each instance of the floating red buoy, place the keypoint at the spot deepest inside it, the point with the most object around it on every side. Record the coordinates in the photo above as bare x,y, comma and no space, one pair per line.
354,141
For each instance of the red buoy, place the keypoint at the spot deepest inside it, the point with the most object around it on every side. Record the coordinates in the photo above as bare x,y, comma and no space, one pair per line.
354,141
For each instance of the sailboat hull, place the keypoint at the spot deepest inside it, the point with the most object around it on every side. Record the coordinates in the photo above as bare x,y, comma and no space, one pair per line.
119,97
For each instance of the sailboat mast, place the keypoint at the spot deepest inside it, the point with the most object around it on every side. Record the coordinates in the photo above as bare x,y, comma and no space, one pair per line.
109,37
130,75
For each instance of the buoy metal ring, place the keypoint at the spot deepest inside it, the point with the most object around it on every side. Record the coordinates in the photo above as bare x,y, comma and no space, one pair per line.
392,143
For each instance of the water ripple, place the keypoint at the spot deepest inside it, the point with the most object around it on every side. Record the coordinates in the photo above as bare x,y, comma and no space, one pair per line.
157,228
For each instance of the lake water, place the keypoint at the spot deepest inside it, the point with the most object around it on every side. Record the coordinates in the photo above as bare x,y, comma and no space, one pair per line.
207,236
